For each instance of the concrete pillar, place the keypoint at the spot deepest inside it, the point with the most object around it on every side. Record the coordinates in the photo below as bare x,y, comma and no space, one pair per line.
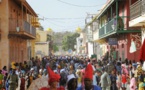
4,44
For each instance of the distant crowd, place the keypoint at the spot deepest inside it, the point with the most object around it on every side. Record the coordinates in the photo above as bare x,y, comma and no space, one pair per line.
106,74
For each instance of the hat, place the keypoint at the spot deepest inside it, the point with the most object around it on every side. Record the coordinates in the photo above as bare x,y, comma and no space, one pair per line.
52,76
89,72
55,71
62,70
13,65
69,77
142,51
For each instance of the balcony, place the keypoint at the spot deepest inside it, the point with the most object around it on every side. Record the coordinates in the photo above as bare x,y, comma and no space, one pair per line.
116,25
137,13
21,28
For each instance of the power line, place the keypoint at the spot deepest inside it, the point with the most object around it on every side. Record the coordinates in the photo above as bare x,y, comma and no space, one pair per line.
78,5
60,18
54,23
64,18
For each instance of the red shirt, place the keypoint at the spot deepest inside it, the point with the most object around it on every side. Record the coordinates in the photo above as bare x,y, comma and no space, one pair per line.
124,78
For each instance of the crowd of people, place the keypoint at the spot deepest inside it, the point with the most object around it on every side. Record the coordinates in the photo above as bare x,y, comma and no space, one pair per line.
74,73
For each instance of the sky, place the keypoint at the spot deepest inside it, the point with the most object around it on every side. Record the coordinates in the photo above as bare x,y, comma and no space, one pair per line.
65,15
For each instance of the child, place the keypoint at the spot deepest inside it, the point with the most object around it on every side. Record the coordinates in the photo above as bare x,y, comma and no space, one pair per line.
124,81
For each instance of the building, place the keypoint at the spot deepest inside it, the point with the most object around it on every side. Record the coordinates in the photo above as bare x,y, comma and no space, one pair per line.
114,29
17,29
97,45
42,43
137,13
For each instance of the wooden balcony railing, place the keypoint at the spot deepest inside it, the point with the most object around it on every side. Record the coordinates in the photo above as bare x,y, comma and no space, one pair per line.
137,9
23,27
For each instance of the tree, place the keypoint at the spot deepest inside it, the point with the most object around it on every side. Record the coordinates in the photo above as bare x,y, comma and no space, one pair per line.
69,41
55,48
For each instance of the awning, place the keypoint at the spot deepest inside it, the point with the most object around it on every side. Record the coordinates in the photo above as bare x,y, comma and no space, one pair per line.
101,41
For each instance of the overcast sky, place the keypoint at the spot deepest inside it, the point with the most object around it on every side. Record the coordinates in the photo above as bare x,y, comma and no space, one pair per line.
65,15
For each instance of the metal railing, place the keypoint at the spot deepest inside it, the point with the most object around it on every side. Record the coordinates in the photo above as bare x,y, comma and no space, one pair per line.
22,25
108,28
113,25
119,24
137,9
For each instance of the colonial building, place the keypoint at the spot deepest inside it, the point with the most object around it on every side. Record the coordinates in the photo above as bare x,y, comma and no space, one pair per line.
17,24
137,15
114,29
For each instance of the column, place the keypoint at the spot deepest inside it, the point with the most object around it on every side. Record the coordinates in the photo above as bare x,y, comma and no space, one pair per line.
4,44
143,33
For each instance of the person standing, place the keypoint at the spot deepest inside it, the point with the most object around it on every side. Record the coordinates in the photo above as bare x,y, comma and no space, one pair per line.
118,81
1,80
22,85
132,83
105,80
124,81
88,80
13,80
53,81
4,70
113,78
71,82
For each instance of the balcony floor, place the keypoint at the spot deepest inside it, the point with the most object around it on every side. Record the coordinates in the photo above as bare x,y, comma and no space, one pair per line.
22,34
139,21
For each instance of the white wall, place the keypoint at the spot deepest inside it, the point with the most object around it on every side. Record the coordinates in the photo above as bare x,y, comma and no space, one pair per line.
90,49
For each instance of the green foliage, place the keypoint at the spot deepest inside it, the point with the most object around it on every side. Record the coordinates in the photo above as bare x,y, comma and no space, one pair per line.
55,48
69,41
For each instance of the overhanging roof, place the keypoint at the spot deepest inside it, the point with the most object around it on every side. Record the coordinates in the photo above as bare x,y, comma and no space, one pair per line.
105,8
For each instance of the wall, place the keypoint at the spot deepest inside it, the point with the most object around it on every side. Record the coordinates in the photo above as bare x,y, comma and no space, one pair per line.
90,49
18,49
32,48
43,47
137,39
43,35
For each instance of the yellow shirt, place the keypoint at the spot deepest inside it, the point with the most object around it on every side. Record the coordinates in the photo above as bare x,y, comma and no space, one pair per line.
141,86
79,79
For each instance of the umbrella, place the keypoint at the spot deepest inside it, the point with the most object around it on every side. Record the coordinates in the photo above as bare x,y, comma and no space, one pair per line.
39,83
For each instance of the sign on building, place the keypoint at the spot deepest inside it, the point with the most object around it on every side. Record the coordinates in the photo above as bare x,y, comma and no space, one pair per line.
112,41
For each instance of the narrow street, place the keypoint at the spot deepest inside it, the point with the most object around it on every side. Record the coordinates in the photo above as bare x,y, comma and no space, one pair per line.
72,45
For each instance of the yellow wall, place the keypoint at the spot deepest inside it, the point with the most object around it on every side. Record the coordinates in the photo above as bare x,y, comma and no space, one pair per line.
32,48
42,35
41,43
44,48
